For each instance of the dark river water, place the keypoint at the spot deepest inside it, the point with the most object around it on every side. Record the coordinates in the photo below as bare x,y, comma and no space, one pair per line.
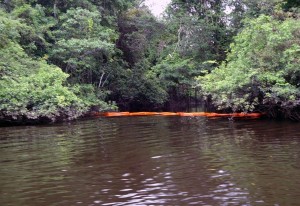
151,161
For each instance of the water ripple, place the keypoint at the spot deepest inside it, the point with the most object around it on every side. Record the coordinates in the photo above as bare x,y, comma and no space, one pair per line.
151,161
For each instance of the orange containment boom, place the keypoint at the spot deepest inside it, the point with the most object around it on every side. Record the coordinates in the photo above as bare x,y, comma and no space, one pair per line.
182,114
114,114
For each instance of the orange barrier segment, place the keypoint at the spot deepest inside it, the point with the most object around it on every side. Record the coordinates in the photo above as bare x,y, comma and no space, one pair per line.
182,114
143,113
168,113
192,114
220,115
115,114
208,114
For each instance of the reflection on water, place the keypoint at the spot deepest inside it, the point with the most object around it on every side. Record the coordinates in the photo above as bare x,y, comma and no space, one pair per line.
151,161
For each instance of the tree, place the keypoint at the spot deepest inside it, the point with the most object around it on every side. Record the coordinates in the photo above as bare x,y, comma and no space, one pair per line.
291,4
30,88
83,47
139,40
36,38
196,39
261,72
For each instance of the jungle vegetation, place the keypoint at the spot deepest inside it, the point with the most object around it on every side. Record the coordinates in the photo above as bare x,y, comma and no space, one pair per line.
60,60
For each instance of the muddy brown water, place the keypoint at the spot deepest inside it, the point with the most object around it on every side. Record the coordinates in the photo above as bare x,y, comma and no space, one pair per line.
151,161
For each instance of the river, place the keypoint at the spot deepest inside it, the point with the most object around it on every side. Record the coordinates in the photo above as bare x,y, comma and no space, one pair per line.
151,161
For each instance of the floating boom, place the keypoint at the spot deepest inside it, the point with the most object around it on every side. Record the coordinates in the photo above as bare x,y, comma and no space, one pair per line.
181,114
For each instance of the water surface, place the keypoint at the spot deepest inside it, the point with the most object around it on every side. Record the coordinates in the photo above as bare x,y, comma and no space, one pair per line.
151,161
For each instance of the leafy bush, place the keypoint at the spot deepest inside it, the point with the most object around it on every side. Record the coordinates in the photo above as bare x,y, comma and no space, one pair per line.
261,71
33,90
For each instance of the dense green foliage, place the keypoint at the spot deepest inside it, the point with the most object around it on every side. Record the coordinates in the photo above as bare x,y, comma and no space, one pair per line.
31,89
62,59
140,35
262,70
